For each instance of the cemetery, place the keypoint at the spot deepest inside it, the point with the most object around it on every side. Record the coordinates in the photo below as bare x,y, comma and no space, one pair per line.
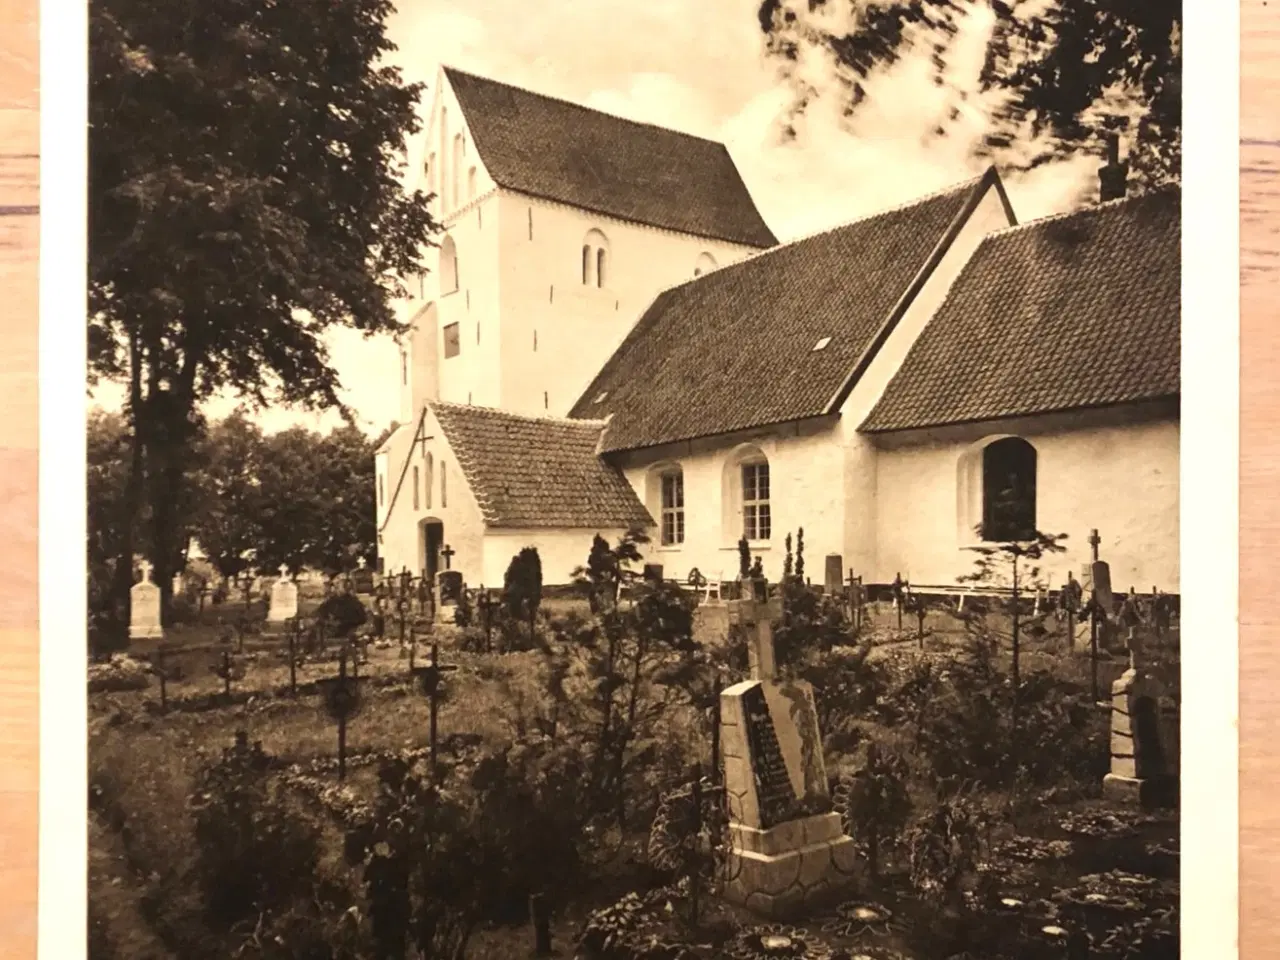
642,766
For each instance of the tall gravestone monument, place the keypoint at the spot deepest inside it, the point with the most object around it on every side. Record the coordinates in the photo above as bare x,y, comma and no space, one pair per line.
787,845
1144,754
144,607
284,598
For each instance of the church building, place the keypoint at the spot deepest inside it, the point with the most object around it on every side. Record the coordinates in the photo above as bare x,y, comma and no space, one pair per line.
613,338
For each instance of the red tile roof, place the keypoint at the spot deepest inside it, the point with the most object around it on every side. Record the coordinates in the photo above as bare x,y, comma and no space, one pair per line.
734,349
571,154
533,472
1066,313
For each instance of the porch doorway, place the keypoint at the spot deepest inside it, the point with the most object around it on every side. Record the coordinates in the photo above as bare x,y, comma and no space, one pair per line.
432,539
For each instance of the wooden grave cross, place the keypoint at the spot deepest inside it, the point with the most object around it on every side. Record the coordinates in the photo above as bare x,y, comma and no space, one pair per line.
429,678
342,701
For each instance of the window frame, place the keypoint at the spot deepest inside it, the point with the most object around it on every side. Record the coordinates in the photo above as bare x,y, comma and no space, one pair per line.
456,329
756,507
671,508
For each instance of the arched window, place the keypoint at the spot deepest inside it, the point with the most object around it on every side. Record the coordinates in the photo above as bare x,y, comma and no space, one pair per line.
429,478
706,263
748,509
458,148
430,172
472,178
416,505
404,367
595,259
444,487
448,266
382,493
1008,490
443,178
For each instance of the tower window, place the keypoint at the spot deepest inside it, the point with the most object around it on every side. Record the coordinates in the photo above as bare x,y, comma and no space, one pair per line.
448,266
452,344
595,259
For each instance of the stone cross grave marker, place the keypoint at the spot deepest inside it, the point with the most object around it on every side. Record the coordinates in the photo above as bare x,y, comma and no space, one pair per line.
284,598
447,553
785,852
144,607
1143,763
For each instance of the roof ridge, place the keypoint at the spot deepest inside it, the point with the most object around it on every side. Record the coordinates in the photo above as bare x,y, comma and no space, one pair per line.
1086,210
579,106
826,231
511,415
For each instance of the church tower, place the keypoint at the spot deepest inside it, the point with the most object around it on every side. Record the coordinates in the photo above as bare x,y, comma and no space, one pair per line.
560,224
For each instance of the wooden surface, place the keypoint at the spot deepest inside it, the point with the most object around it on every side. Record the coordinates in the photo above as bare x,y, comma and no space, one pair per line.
1259,504
19,643
1259,460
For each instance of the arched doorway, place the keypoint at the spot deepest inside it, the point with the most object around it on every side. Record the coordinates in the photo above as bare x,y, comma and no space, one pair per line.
430,542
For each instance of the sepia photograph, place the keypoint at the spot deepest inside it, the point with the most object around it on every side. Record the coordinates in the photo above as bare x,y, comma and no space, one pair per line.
634,480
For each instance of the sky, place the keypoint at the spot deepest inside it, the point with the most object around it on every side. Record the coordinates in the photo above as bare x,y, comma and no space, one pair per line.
697,66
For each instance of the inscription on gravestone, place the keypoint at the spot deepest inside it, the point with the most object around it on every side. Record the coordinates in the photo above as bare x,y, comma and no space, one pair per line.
773,784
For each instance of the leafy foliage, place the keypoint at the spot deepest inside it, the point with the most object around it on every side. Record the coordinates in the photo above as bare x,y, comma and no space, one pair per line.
1066,71
245,200
341,614
254,856
875,804
522,588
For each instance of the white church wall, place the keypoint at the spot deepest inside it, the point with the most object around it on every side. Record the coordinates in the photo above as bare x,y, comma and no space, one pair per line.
863,503
557,331
559,551
1116,472
806,490
450,501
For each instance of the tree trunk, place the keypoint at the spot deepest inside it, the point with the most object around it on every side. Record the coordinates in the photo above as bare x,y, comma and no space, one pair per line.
122,596
1016,677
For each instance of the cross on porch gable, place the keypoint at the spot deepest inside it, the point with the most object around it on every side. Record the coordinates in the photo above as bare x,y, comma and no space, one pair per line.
447,553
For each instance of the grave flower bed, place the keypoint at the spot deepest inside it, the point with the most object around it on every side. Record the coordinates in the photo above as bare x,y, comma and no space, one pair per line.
857,918
1099,825
122,672
1033,849
1115,892
776,942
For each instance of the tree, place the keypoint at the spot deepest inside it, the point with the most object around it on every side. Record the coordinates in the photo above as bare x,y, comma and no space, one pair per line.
875,804
109,521
228,524
997,565
293,513
522,589
244,200
1062,72
344,486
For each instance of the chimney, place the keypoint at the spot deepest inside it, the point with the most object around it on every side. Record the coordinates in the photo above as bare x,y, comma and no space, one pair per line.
1113,177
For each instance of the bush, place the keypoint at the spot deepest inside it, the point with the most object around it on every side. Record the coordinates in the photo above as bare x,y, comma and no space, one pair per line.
254,855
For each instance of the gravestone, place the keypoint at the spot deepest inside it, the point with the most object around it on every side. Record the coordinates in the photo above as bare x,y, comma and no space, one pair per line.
144,607
284,598
449,587
1144,764
788,849
834,579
